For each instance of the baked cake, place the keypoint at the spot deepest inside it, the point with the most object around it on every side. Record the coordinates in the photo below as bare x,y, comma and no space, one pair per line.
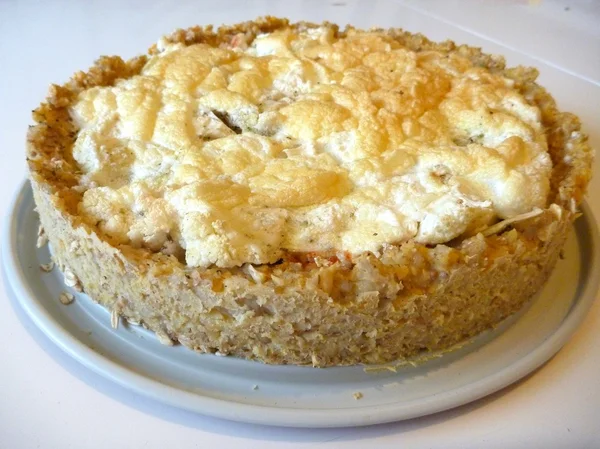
302,194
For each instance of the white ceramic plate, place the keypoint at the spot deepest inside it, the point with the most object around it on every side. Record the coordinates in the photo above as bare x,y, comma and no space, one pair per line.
298,396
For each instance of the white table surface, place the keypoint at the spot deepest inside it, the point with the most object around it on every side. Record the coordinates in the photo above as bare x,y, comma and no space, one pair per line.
49,401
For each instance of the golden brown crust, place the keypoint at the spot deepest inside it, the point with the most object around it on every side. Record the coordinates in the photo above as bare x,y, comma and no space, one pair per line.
311,308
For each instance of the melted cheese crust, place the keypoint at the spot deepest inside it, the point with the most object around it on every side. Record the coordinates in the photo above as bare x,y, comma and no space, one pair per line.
305,142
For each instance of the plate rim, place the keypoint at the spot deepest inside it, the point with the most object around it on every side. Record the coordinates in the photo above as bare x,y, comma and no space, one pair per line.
287,416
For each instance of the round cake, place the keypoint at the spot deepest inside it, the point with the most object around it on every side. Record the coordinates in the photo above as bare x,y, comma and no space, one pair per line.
302,194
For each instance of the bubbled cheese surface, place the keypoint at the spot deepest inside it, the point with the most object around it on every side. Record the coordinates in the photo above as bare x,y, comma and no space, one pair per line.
304,142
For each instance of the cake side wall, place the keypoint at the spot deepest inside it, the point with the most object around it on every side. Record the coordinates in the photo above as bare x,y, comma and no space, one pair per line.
294,319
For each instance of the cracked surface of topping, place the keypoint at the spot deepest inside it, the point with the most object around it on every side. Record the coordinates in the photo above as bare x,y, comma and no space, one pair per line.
300,141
